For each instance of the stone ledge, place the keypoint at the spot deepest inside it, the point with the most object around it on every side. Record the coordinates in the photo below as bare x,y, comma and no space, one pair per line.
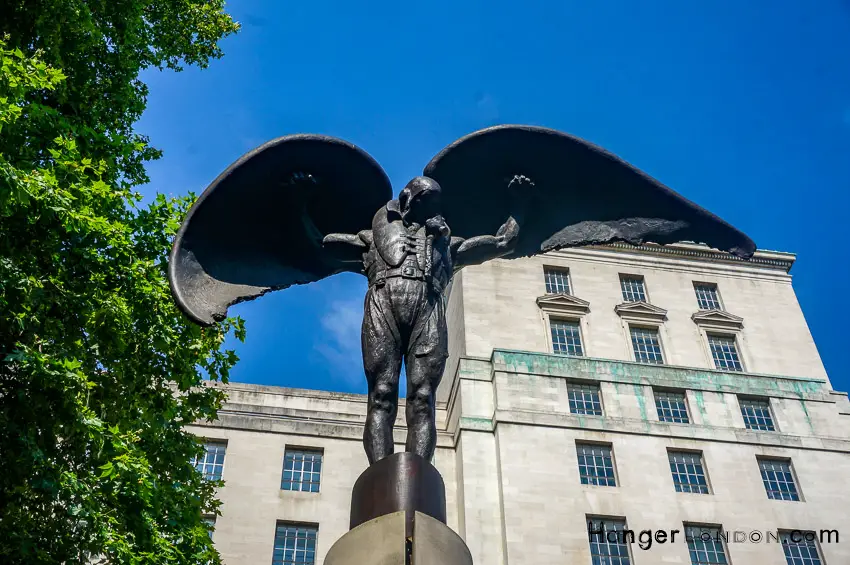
294,413
236,389
302,427
658,429
562,366
248,388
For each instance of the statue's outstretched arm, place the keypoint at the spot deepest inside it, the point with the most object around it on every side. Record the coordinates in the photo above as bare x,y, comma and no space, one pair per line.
481,248
346,247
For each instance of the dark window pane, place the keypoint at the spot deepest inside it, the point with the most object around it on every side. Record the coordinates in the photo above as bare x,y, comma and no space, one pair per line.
294,544
633,289
584,399
301,470
724,351
756,414
647,346
595,464
778,479
557,281
688,472
671,406
566,337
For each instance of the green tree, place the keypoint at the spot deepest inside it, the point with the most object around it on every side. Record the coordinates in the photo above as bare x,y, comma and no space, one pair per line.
99,372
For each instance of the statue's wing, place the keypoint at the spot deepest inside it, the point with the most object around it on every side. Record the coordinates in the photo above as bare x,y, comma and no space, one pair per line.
259,226
582,195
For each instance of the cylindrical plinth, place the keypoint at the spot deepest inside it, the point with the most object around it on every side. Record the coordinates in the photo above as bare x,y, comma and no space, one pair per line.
384,541
400,482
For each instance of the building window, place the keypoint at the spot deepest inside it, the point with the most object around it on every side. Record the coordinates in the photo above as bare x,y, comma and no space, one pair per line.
778,479
595,464
756,414
211,463
647,345
724,351
209,522
801,548
294,544
566,337
584,399
301,470
557,280
633,287
705,544
608,542
688,472
707,296
671,406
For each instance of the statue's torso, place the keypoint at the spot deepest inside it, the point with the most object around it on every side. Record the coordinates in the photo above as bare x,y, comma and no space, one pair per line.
406,251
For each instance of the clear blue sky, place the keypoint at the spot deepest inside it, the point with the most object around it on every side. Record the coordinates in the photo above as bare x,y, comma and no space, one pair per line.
743,107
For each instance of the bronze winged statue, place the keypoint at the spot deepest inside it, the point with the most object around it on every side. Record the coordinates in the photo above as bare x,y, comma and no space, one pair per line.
304,207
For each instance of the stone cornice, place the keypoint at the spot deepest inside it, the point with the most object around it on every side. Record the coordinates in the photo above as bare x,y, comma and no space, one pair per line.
563,304
775,259
729,435
641,312
718,319
665,376
281,424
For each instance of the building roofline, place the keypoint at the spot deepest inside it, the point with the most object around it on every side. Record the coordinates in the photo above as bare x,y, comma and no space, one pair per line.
762,257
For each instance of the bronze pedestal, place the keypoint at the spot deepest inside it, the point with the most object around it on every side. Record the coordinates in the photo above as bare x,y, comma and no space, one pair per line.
398,517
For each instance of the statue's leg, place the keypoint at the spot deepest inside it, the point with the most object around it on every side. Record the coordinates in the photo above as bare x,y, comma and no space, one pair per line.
423,376
424,366
382,364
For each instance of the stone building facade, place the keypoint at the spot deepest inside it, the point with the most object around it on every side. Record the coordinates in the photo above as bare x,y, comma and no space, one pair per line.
674,389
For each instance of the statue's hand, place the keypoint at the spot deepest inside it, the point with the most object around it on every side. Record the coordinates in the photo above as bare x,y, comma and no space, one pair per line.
301,179
437,226
521,190
519,181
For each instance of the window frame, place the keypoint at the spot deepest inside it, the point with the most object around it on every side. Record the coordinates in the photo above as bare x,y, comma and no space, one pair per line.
623,276
719,297
699,453
211,441
590,384
817,545
571,310
303,450
707,330
720,531
557,269
683,392
590,520
792,468
646,327
296,525
766,399
709,334
599,444
565,320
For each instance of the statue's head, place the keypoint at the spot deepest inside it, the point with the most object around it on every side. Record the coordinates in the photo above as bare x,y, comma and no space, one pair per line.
420,200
